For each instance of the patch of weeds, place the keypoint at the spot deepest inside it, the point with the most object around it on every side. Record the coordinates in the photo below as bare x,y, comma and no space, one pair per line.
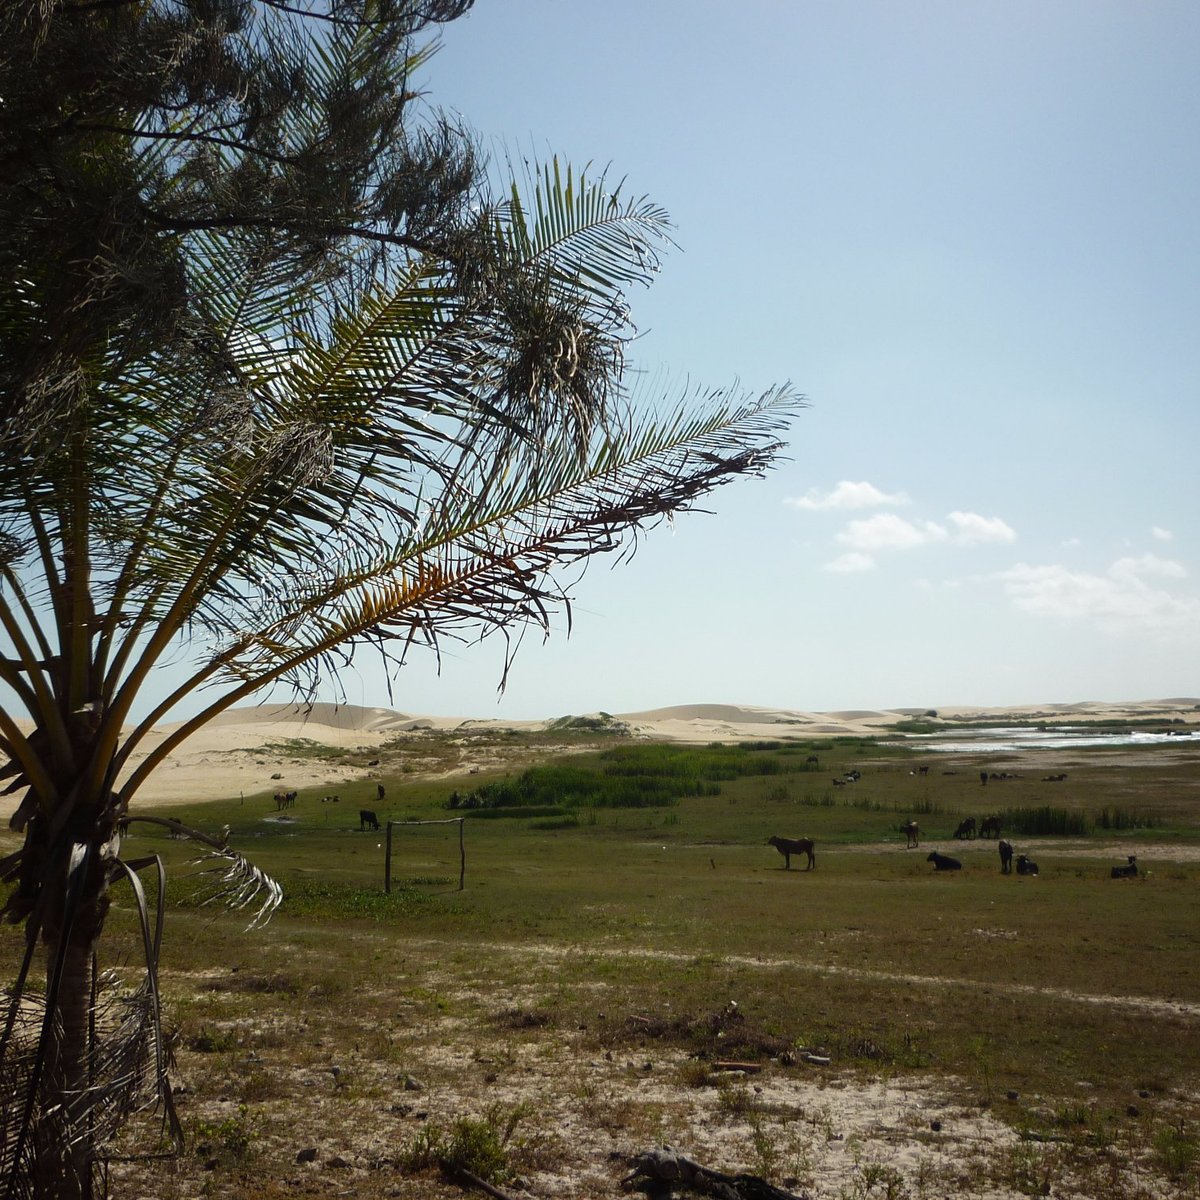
695,1073
520,1018
1029,1169
256,984
879,1179
231,1140
735,1101
1177,1150
212,1041
485,1146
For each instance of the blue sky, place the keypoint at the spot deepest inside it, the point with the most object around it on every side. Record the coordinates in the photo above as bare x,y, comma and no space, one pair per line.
968,233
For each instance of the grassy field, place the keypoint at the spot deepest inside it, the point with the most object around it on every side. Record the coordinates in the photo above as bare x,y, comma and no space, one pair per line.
896,1032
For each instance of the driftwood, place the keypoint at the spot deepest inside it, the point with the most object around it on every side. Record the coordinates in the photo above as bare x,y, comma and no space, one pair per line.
464,1177
660,1172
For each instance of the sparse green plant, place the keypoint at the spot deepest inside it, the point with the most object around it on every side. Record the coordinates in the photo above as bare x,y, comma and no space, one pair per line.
1177,1150
231,1139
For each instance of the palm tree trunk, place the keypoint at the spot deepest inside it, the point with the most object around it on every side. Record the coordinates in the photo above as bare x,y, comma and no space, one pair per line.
64,1148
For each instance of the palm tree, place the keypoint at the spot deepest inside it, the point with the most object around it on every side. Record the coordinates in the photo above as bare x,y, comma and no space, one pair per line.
308,460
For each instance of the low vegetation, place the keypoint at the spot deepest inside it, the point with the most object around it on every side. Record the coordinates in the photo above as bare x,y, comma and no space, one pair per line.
615,977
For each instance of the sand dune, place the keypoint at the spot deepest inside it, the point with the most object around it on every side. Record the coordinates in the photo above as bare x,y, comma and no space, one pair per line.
260,749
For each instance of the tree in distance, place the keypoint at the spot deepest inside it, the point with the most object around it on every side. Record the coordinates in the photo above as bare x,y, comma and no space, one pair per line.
284,376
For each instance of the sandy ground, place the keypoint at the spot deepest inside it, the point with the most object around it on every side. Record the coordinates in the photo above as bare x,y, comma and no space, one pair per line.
255,750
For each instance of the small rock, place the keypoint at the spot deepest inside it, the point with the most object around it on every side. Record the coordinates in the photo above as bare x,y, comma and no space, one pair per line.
936,1126
1011,1095
1145,1095
307,1155
413,1085
337,1162
1133,1111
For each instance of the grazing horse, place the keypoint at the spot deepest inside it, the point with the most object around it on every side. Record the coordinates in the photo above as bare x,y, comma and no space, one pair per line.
989,827
1026,866
910,830
966,828
942,863
1006,856
1128,871
789,846
367,819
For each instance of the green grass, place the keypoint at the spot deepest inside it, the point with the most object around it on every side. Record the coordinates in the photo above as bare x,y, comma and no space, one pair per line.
629,931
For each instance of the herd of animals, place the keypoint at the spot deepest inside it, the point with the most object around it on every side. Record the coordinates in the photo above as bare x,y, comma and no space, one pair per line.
968,828
943,862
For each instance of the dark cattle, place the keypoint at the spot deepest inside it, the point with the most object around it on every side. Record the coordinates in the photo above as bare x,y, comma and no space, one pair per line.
379,791
983,778
922,770
1053,778
1006,856
812,761
1128,871
989,827
942,863
966,828
789,846
367,819
1026,866
910,829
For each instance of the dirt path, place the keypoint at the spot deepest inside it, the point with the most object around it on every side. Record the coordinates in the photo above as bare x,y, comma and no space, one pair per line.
1149,1005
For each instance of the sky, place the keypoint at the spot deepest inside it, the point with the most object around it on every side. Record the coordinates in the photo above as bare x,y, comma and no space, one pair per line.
968,234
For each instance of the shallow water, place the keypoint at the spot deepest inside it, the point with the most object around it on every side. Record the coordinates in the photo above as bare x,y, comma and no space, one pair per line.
1064,737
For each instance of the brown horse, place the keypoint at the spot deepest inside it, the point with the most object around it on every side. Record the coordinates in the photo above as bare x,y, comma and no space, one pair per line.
789,846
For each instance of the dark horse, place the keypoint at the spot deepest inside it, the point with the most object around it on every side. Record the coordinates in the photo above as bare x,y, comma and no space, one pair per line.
789,846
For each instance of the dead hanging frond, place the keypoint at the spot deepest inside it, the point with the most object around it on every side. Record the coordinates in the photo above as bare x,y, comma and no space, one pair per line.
127,1057
237,882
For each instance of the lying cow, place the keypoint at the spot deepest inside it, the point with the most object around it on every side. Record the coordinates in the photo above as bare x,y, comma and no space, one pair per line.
1026,866
367,819
942,863
1128,871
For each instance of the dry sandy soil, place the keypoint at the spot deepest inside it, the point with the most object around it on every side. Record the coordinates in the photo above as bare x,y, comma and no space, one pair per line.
244,750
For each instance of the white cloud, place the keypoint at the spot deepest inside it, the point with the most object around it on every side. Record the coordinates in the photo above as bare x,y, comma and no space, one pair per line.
970,529
847,496
850,563
1118,601
885,531
1147,564
1161,535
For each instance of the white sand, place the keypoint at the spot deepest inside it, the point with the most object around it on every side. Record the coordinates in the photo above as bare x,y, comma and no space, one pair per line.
246,751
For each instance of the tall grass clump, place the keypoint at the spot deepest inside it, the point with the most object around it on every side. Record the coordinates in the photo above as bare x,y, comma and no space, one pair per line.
1124,818
1046,820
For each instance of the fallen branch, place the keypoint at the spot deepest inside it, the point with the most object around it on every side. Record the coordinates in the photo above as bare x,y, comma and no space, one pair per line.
659,1172
463,1176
